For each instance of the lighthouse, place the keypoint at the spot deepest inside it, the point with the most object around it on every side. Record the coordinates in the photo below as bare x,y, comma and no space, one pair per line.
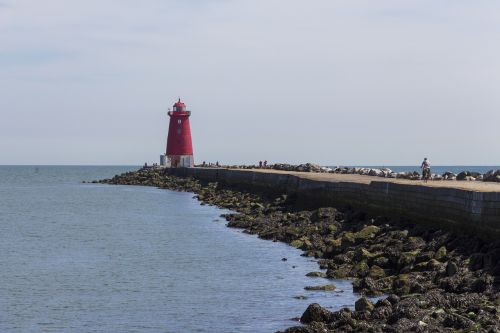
179,145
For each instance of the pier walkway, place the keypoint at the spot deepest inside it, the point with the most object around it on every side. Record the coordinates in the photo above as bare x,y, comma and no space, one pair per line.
478,186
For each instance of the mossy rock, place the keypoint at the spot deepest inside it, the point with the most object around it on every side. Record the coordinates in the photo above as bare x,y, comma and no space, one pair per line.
376,272
401,284
325,287
348,239
332,228
433,265
292,230
407,258
339,273
440,253
297,243
367,232
424,256
363,304
362,254
360,269
316,274
334,243
421,266
381,261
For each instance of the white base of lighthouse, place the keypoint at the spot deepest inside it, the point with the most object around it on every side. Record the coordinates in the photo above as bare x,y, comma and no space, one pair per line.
163,160
177,161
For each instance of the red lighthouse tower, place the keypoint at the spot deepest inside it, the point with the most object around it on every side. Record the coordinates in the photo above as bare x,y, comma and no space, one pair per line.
179,144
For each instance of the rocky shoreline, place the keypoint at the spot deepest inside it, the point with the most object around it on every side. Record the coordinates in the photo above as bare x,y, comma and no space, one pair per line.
436,281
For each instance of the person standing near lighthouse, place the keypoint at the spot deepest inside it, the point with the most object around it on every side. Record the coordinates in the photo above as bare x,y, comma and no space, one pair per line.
179,144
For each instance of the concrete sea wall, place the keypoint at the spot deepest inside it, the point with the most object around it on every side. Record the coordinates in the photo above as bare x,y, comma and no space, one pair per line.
445,207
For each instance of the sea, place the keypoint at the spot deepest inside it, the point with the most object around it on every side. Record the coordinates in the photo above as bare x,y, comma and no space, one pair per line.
79,257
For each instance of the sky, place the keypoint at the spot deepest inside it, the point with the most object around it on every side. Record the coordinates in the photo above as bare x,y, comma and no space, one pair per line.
334,82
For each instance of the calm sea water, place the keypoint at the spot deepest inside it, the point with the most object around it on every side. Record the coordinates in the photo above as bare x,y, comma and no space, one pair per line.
98,258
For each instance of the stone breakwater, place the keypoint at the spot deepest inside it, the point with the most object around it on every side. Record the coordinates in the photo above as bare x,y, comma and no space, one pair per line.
490,176
436,281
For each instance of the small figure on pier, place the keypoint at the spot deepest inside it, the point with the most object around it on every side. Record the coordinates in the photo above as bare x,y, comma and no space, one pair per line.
426,170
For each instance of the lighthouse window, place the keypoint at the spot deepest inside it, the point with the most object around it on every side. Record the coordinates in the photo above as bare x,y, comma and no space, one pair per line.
179,121
179,131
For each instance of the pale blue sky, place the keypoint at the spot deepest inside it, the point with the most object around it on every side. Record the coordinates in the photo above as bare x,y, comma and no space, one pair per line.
335,82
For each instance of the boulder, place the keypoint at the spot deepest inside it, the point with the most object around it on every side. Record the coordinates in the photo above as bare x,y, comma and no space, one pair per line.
316,274
492,176
367,232
433,265
440,253
315,313
376,272
325,287
363,304
451,268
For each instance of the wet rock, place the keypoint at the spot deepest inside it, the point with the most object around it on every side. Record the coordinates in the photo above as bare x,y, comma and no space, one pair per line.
300,297
298,243
340,273
325,287
424,256
299,329
406,258
457,321
360,269
407,308
381,261
376,272
316,274
363,304
451,268
440,253
401,284
367,232
362,254
315,312
393,299
433,265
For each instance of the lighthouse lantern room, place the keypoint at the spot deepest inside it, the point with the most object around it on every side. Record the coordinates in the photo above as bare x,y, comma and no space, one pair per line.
179,145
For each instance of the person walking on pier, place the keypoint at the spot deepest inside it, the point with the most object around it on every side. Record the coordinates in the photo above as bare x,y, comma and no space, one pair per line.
426,170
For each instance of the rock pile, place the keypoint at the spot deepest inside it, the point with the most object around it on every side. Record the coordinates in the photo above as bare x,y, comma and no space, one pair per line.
490,176
308,167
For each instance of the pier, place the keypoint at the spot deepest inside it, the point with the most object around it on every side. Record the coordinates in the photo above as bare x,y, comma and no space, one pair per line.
456,205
